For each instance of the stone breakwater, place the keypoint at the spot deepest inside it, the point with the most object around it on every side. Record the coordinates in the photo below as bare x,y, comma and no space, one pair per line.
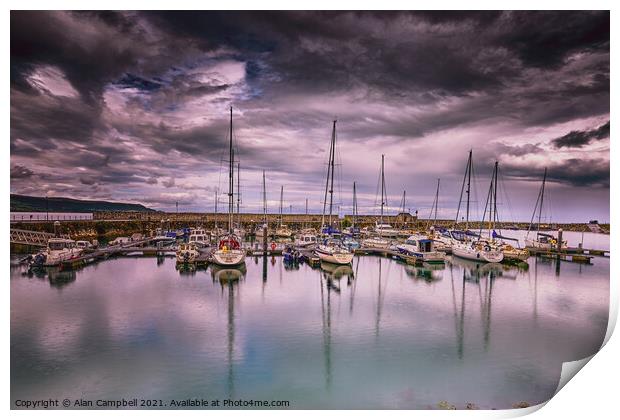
107,226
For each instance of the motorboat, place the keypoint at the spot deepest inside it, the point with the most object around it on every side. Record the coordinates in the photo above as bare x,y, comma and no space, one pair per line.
199,237
306,240
58,250
422,248
187,253
84,245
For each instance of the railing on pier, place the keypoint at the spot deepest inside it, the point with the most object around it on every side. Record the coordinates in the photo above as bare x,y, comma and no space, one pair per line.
31,237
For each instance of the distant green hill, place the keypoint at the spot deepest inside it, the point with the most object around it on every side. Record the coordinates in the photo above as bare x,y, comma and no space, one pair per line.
70,205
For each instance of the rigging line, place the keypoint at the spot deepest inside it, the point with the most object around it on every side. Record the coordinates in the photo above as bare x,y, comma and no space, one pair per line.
538,199
458,209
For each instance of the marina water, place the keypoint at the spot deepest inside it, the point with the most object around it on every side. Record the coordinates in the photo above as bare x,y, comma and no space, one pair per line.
380,334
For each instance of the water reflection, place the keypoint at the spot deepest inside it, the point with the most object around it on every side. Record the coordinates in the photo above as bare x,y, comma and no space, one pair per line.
427,272
57,278
465,332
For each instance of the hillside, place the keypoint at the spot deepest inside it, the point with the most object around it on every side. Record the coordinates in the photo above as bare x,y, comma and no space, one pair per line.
70,205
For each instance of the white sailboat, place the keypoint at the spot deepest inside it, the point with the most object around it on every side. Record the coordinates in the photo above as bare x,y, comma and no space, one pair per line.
462,244
282,231
229,251
382,230
263,229
543,241
239,230
497,240
331,250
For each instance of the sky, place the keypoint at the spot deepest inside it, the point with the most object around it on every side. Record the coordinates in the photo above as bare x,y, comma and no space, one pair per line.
134,107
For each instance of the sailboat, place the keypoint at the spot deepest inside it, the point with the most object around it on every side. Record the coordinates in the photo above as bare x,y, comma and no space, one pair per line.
381,229
238,230
441,242
463,245
229,251
350,232
542,240
511,252
331,250
263,229
282,231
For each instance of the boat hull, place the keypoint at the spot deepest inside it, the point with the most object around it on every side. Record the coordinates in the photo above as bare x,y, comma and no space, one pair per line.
334,257
228,258
469,253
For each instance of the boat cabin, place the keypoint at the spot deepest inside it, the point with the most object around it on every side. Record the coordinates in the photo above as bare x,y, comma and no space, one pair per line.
229,242
58,244
422,244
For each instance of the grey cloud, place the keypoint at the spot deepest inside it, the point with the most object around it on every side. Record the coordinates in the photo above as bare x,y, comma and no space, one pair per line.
20,172
581,138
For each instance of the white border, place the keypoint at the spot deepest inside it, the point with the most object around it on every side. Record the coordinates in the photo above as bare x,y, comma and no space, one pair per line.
593,395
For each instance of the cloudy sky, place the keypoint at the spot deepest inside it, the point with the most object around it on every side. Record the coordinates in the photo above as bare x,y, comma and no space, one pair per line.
133,106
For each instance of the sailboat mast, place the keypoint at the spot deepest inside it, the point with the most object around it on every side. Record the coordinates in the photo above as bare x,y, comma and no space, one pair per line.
216,200
495,218
264,200
354,205
542,197
281,199
331,152
230,177
436,202
468,190
331,187
238,194
404,205
382,187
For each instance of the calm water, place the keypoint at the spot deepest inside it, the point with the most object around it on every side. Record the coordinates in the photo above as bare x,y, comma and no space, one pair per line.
378,335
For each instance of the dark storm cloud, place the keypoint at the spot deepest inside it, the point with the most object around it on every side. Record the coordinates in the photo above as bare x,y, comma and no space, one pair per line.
545,38
582,138
40,119
573,171
88,51
138,99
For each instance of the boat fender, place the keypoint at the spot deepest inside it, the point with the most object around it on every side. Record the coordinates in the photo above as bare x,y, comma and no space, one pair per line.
478,255
273,246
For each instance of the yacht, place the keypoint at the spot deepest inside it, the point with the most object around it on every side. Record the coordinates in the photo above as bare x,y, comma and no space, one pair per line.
187,253
376,242
306,240
480,250
422,248
83,244
229,251
542,241
331,250
334,252
382,230
199,237
386,231
58,250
